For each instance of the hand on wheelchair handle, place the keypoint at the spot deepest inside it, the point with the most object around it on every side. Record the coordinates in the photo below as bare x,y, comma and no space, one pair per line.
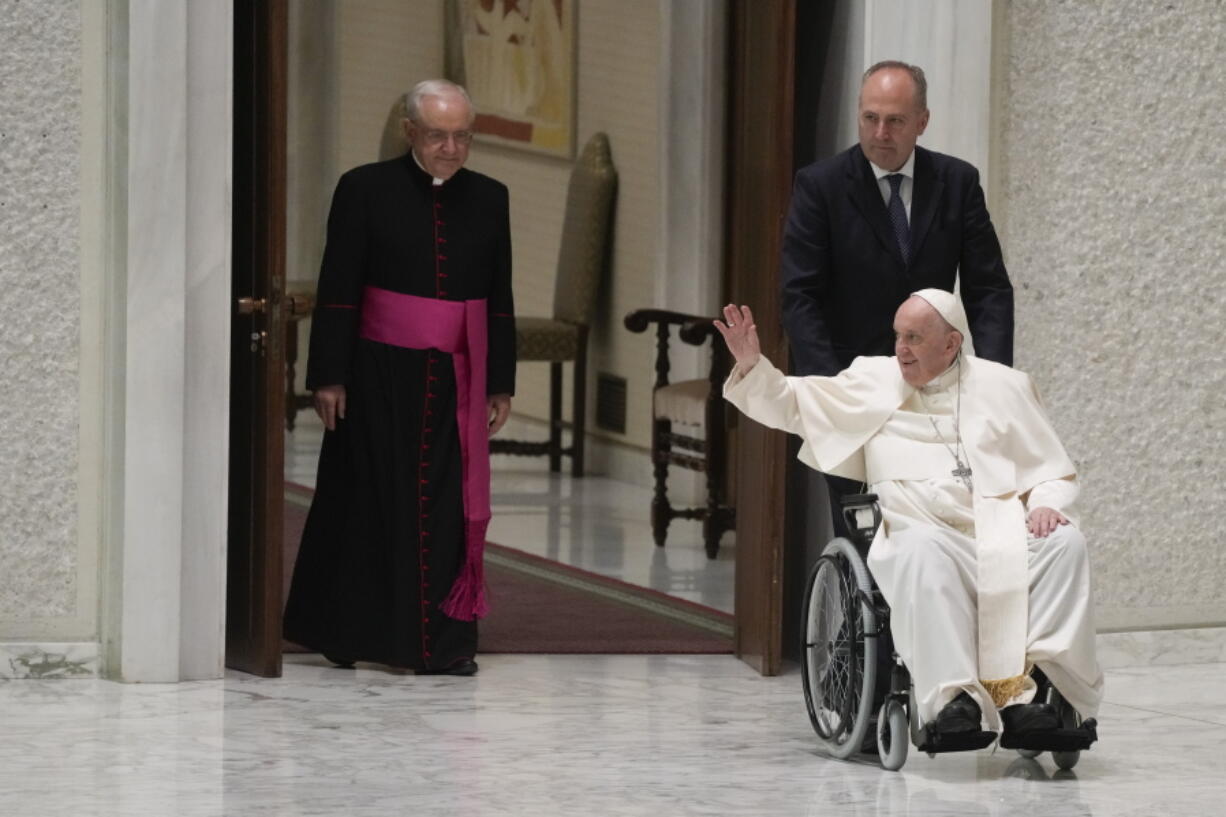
741,335
1042,521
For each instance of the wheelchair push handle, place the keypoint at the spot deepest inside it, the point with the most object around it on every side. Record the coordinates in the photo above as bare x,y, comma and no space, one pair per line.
856,511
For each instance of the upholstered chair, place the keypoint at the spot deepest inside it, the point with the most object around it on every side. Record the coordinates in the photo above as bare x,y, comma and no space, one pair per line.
392,143
689,426
582,258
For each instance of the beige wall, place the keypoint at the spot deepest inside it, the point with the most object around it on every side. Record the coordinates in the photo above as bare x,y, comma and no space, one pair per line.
382,47
1112,220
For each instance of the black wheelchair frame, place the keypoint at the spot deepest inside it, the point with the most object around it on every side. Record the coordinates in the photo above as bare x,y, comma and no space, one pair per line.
852,676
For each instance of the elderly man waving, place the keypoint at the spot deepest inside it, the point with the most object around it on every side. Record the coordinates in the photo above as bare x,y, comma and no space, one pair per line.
985,572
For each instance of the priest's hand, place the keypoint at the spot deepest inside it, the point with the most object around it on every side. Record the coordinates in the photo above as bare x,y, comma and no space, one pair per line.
330,405
498,410
741,335
1042,521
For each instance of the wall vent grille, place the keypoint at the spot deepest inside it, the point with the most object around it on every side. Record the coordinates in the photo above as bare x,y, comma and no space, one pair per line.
611,402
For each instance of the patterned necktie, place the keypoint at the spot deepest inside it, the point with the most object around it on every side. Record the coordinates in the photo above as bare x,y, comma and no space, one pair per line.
898,216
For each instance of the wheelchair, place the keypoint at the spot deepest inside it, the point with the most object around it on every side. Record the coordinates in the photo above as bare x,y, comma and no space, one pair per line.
853,679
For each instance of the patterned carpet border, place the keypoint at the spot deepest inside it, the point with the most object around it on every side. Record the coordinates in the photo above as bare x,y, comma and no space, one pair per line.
706,618
695,615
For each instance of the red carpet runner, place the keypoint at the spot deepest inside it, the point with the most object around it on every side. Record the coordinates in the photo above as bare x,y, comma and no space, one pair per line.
541,606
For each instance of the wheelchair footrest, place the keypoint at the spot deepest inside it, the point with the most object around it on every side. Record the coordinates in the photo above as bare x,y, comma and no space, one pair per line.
1055,740
935,742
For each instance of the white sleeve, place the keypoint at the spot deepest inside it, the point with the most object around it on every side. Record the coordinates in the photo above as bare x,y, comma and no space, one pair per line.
1058,494
764,394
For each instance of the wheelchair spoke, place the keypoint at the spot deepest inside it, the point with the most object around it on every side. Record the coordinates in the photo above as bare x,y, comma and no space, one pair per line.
832,646
839,657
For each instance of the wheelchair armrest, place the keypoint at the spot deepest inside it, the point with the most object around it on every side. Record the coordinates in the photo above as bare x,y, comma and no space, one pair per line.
853,505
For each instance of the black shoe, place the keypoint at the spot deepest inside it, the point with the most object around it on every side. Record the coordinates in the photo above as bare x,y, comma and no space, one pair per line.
463,666
961,714
340,663
1022,719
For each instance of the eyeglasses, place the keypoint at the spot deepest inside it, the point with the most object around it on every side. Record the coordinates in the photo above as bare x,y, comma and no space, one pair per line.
435,138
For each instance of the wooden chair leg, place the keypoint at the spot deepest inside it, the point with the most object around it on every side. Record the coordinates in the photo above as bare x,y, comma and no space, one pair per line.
578,427
555,416
712,529
661,511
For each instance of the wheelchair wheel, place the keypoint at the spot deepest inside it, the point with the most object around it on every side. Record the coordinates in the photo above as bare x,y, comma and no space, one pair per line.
893,735
839,649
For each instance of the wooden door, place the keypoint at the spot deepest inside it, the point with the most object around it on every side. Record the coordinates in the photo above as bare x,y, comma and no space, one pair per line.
759,187
257,357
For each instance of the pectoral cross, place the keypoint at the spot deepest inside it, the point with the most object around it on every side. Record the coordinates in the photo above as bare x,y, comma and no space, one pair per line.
963,473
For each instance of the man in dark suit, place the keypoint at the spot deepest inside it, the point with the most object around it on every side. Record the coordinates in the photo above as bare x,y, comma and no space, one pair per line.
879,221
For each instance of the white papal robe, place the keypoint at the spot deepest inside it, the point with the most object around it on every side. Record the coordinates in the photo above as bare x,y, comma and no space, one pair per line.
927,557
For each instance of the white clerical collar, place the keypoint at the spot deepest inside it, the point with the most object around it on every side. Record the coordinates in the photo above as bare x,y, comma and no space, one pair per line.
437,180
944,380
907,169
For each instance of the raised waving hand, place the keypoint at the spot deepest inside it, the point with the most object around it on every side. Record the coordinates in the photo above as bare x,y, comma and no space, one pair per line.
741,335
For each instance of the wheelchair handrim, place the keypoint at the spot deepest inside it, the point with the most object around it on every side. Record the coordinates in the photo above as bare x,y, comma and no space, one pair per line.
838,649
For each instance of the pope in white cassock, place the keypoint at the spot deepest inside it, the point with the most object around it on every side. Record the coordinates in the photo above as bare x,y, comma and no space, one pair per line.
978,556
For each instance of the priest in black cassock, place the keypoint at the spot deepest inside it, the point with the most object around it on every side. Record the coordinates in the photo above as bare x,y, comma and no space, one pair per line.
412,365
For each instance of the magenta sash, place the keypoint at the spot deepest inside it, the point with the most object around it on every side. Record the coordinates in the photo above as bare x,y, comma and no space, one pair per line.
458,328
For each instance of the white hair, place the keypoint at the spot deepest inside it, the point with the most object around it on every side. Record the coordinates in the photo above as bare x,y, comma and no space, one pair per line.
435,88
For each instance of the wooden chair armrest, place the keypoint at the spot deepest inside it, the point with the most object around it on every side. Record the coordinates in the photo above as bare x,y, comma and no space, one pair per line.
697,332
640,319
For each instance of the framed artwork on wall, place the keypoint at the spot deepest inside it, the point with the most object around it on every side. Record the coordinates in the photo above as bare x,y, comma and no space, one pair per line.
517,60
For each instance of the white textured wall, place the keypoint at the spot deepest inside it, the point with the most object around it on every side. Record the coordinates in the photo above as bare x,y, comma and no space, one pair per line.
1114,211
40,311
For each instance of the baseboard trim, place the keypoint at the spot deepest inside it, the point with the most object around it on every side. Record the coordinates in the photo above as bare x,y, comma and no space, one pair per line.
606,457
45,660
1143,648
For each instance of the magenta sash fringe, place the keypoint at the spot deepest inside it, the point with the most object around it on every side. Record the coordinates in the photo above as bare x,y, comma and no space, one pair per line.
458,328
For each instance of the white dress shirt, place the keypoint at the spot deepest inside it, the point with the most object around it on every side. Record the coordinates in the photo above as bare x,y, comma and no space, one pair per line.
904,190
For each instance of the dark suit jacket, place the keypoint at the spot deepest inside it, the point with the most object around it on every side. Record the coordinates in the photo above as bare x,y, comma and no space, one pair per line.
843,275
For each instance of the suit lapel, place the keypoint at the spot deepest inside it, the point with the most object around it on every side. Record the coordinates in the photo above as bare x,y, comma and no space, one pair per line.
866,196
925,195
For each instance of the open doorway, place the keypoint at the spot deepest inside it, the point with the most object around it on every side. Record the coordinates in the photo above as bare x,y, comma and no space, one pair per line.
345,64
348,65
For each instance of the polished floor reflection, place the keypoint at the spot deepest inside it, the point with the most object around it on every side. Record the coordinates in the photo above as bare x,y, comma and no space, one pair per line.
593,523
582,735
563,735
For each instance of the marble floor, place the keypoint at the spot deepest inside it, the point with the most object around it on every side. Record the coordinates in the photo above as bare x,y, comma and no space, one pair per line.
563,735
594,523
571,735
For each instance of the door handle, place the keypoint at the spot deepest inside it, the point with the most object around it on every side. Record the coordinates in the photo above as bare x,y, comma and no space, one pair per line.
250,306
299,305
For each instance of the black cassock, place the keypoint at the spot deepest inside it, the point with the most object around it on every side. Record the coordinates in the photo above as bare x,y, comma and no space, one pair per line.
384,539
